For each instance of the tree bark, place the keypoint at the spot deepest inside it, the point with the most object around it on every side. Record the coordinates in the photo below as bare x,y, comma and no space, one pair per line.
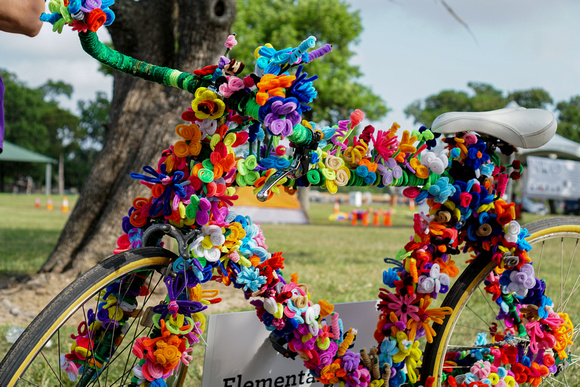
181,34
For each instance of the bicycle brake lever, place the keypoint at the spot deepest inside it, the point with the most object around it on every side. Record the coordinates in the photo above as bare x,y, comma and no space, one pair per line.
272,181
298,168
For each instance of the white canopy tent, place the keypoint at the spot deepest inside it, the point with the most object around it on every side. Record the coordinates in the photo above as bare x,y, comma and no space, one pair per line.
558,147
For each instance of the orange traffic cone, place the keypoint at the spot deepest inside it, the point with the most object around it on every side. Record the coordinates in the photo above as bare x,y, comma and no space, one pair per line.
411,204
387,219
49,205
37,202
336,207
376,217
365,218
353,218
64,207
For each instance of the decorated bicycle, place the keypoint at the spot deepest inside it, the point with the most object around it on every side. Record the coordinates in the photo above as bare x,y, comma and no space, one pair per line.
245,128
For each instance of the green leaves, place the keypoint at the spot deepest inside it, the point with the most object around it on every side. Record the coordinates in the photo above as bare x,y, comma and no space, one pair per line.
35,121
483,97
569,118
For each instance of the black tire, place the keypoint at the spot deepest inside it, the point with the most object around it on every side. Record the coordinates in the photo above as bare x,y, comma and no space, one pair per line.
47,325
468,283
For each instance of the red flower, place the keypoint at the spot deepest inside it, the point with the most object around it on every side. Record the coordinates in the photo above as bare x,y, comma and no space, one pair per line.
509,355
521,372
207,70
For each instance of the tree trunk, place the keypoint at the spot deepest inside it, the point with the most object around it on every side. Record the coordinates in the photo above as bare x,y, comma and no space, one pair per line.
181,34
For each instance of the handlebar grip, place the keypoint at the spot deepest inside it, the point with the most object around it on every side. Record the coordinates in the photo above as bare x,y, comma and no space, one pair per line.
124,63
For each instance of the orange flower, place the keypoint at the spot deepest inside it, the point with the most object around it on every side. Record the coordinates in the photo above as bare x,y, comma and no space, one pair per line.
331,373
139,217
271,85
427,315
191,143
406,145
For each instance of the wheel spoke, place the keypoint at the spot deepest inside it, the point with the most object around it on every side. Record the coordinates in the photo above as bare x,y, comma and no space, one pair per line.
50,366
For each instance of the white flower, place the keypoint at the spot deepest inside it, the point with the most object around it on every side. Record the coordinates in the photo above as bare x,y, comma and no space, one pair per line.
208,244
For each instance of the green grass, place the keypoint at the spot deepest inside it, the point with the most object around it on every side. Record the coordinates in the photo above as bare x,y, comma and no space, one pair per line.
28,234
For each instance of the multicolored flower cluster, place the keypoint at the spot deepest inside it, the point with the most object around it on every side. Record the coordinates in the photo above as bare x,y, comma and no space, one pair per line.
81,15
233,139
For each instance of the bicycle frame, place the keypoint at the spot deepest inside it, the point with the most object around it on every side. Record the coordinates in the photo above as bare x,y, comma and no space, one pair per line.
192,197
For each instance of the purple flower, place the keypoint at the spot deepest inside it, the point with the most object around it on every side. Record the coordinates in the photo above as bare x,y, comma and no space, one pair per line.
391,171
327,356
350,360
280,115
223,62
89,5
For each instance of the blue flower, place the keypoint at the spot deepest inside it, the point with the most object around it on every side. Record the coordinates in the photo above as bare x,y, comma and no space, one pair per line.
390,276
388,349
256,132
271,60
327,132
158,383
251,279
171,183
476,155
303,90
442,190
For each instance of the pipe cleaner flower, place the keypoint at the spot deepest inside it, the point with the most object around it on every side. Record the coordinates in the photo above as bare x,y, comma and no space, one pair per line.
207,104
280,115
231,42
519,281
208,244
303,90
388,349
476,155
163,188
401,305
389,171
441,190
191,143
232,85
422,325
250,278
273,86
435,162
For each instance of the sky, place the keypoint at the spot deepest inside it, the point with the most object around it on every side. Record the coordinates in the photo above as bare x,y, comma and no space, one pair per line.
408,50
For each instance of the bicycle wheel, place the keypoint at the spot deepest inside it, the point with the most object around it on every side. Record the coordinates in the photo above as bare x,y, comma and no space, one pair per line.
34,358
555,243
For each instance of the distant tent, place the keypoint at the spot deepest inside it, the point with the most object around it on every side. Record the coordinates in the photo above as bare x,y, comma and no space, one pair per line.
15,153
560,146
283,208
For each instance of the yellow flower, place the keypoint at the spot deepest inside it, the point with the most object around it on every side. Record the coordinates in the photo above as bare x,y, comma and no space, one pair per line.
207,104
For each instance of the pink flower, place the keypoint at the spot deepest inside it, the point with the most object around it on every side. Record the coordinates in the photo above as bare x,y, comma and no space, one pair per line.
152,371
481,369
403,308
386,146
186,357
231,42
260,239
234,84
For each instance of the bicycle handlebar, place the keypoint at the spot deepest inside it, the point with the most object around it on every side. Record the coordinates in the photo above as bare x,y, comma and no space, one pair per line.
127,64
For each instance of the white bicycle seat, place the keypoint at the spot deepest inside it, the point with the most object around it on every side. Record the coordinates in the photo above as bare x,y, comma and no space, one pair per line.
518,126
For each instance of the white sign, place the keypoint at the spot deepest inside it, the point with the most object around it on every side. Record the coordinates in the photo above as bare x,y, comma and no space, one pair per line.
552,178
239,353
